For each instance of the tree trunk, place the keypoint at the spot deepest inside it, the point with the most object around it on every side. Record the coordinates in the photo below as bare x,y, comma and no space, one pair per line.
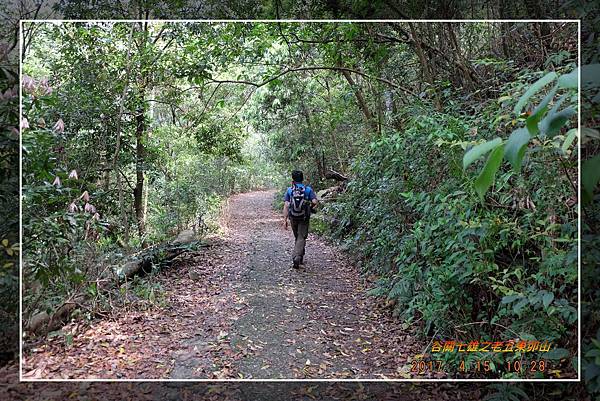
425,67
332,128
318,159
145,209
115,159
138,203
504,31
360,99
124,219
463,70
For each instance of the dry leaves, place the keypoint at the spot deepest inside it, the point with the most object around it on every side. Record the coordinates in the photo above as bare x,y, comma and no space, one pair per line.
237,310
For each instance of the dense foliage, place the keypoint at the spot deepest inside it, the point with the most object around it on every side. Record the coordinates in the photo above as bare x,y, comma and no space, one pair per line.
134,132
455,260
116,156
590,259
456,264
354,9
586,10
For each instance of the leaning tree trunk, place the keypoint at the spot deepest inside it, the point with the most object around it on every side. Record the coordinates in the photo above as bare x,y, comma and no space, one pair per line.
362,103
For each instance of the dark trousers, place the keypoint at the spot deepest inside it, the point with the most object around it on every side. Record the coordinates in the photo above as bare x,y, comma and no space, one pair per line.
300,230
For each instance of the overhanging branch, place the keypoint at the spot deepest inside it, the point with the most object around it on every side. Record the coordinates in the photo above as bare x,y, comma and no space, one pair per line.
313,68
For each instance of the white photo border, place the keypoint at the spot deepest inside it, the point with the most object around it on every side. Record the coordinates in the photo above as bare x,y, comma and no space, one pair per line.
366,380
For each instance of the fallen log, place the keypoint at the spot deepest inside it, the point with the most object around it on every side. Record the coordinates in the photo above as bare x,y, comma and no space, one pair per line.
43,323
143,262
334,175
329,194
134,267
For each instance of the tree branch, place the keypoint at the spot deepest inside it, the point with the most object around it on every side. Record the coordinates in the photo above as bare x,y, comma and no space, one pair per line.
314,68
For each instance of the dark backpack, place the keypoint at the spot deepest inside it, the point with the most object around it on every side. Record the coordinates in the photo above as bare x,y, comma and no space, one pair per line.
299,203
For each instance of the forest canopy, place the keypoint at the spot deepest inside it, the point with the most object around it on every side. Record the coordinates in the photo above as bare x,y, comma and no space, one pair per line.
454,145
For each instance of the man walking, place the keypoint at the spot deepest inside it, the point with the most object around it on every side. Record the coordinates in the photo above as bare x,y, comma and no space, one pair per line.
299,201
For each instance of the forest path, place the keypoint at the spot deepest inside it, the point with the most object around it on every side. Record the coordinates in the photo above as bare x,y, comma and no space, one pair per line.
314,322
237,309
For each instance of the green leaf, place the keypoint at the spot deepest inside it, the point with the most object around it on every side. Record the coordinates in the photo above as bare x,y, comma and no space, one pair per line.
590,175
527,337
477,151
571,135
569,80
515,147
591,371
547,299
533,89
520,305
587,133
510,298
486,177
590,76
553,122
536,115
557,353
592,353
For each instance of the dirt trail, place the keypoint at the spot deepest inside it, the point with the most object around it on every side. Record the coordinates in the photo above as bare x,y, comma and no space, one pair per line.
238,310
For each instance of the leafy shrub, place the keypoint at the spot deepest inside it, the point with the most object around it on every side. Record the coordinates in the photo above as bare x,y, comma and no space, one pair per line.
448,259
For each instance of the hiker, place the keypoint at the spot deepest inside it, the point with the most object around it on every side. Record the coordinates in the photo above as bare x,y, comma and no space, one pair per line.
300,200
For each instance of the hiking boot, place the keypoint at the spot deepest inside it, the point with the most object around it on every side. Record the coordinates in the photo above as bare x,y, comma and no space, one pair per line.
297,262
